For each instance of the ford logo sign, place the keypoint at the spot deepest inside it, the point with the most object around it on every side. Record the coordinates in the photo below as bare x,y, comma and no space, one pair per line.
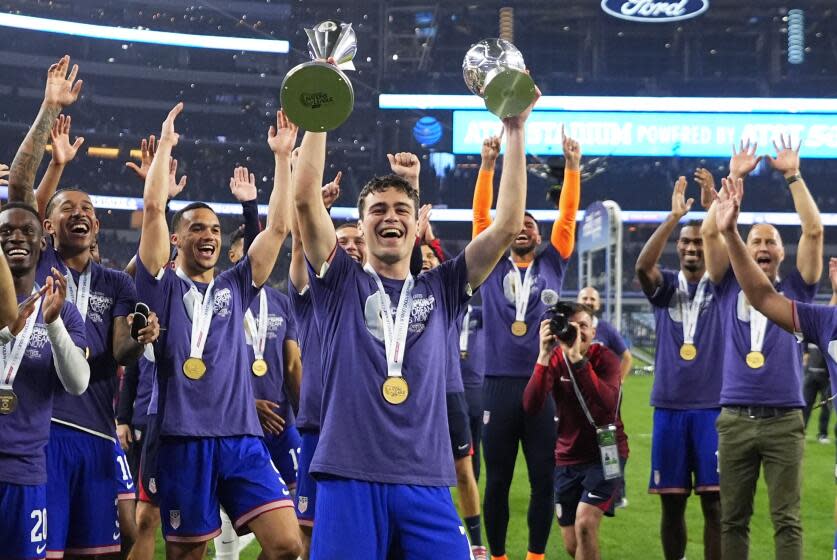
654,11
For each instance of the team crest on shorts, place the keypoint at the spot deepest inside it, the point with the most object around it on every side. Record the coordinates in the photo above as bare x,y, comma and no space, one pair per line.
303,504
174,518
656,478
152,485
549,297
486,416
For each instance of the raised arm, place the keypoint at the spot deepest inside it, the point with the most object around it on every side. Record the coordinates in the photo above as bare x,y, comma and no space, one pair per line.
563,230
315,227
483,252
407,166
60,92
154,246
243,188
8,301
809,252
832,276
647,264
484,189
265,248
62,153
755,284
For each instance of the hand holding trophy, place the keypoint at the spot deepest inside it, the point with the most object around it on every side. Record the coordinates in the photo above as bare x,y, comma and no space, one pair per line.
494,70
317,95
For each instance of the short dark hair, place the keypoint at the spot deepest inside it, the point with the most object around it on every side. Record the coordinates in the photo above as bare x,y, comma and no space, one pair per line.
344,225
237,235
25,207
175,220
51,202
693,223
534,219
380,184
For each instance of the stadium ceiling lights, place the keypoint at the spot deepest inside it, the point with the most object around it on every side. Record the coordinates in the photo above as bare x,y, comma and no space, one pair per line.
143,35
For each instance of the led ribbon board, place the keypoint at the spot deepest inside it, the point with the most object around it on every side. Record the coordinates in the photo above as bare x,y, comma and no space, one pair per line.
131,35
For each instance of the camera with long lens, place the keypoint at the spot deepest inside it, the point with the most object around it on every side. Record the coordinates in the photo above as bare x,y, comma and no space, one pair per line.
559,322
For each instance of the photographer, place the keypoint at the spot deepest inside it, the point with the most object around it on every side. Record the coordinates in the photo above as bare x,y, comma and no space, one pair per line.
585,382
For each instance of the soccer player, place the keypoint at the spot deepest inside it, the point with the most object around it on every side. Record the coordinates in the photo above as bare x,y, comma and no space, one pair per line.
211,453
761,396
514,297
586,383
606,333
687,380
8,303
384,478
472,364
46,343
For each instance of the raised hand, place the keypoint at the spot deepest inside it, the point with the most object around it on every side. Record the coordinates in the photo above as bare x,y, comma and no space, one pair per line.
243,185
406,165
423,223
175,186
728,204
547,342
519,121
62,151
679,205
787,157
282,137
744,159
706,182
168,134
572,151
60,89
490,151
4,172
331,190
24,310
147,149
54,296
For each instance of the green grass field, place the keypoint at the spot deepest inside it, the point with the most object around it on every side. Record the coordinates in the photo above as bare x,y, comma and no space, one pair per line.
634,532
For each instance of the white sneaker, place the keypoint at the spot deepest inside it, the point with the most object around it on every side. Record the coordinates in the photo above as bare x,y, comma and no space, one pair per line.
623,503
823,439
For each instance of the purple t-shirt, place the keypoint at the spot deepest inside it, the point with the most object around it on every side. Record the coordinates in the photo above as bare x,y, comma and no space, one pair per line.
112,295
24,432
280,327
779,382
473,365
221,403
505,353
607,335
679,383
818,324
308,334
363,437
453,372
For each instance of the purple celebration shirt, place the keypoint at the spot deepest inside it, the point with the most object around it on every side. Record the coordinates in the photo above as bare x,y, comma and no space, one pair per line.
363,437
112,295
221,402
473,363
505,353
308,334
280,327
608,336
24,432
818,324
679,383
779,381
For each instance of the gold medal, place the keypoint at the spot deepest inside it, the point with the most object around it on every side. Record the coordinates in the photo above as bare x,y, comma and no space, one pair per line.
518,328
463,354
755,360
194,368
395,390
259,368
8,401
688,352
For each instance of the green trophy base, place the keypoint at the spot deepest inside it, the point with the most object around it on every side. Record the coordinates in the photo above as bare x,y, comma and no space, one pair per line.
508,92
317,96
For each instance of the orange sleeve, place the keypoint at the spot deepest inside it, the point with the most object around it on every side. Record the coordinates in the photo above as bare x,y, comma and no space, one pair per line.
483,199
563,230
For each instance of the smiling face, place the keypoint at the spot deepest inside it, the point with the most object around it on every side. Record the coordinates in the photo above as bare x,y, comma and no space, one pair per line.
690,249
350,238
72,221
528,239
429,260
198,239
590,296
389,225
21,239
765,246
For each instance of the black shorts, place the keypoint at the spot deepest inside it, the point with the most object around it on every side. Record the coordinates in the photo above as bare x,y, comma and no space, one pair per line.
458,425
584,483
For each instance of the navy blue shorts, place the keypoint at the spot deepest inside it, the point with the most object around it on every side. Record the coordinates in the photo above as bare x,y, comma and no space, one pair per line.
125,488
306,486
375,521
81,493
284,451
148,462
459,425
196,476
684,451
24,527
584,483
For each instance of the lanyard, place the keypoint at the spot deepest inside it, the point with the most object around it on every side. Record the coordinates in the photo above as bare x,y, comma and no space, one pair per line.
11,357
690,311
395,332
202,309
758,326
521,290
80,295
465,332
258,327
580,397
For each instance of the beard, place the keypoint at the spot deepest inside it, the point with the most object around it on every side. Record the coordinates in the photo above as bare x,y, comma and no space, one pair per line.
692,267
523,250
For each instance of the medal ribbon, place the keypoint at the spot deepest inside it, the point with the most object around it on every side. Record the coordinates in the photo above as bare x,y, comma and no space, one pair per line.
521,290
465,332
79,295
690,311
258,327
395,332
201,314
10,358
758,326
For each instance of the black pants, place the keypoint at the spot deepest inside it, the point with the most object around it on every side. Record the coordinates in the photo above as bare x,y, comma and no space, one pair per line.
507,426
816,382
473,396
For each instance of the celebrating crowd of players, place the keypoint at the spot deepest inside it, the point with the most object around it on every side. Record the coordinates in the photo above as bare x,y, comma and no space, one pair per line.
315,420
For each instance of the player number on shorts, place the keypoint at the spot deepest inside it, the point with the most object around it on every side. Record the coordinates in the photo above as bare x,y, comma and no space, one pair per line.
294,452
123,464
39,531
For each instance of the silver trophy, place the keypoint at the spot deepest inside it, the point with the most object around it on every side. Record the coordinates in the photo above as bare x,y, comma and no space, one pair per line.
494,70
317,95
